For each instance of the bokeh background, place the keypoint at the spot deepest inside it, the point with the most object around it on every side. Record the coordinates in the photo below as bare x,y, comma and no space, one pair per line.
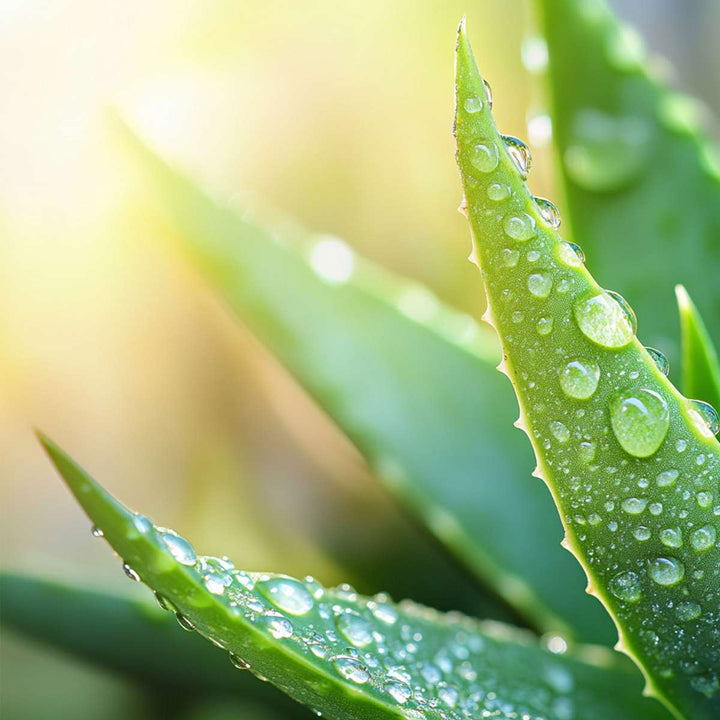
336,113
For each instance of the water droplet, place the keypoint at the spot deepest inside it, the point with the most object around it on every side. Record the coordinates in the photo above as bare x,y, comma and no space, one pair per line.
667,478
661,362
605,152
286,594
332,260
603,321
355,628
544,325
705,418
640,420
238,662
703,538
398,691
625,586
520,154
96,532
473,105
560,431
539,284
704,499
130,573
184,623
533,256
517,317
351,669
634,506
550,214
497,192
485,158
384,612
534,54
178,546
488,92
666,571
687,611
278,626
510,257
655,508
571,254
586,451
579,378
671,537
642,533
681,445
520,227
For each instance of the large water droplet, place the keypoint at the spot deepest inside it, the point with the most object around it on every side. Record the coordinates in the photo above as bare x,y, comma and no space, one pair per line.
634,505
510,257
550,214
640,420
667,478
178,546
560,431
625,586
703,538
520,227
605,152
666,571
642,533
604,321
571,254
544,325
687,611
485,158
579,378
286,594
184,622
355,628
398,691
705,418
238,662
661,362
278,626
497,192
131,574
351,669
539,284
473,105
520,154
671,537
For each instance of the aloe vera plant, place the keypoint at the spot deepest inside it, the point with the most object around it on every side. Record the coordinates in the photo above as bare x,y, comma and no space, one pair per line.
631,465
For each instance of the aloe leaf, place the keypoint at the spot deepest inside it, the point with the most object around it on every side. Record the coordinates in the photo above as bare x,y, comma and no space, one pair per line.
347,656
412,384
632,465
641,181
132,637
700,364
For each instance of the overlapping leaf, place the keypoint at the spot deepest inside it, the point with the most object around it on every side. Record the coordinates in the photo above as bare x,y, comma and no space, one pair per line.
631,463
411,383
347,656
642,184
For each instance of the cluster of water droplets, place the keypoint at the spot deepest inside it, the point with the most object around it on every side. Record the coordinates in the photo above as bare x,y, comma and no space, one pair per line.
432,666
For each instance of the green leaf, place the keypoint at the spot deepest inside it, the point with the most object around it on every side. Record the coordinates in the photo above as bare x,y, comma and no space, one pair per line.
631,464
412,383
353,657
642,183
132,637
700,364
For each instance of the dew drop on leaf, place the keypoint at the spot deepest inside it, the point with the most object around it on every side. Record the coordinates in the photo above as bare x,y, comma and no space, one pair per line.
571,254
634,505
96,532
238,662
666,571
520,154
640,420
398,691
355,628
473,105
130,573
497,192
661,362
351,669
671,537
549,212
604,321
485,158
705,418
539,284
703,538
667,478
286,594
625,586
544,325
687,611
179,547
520,227
579,378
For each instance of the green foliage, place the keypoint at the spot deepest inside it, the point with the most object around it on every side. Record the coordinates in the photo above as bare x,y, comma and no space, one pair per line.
348,656
631,463
700,364
641,181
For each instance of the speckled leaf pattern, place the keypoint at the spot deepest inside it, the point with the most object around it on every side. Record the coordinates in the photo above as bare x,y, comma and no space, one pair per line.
348,656
641,178
700,363
632,465
129,636
411,382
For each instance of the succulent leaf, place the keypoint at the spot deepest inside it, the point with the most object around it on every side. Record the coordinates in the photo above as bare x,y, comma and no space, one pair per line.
348,656
631,463
641,178
411,382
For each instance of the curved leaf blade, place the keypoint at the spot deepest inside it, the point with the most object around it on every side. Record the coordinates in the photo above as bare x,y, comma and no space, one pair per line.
641,180
700,363
413,385
353,657
128,636
631,465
